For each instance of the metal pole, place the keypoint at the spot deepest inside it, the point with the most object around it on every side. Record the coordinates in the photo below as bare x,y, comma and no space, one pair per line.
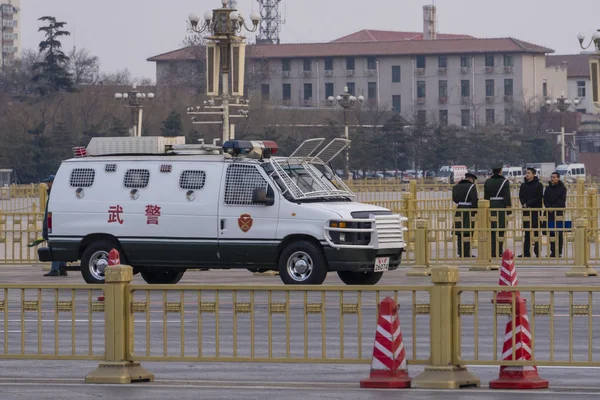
133,122
225,107
562,137
232,132
139,130
346,135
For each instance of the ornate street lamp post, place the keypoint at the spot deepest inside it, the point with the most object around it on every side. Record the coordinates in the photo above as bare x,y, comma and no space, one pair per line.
348,102
562,104
135,100
225,56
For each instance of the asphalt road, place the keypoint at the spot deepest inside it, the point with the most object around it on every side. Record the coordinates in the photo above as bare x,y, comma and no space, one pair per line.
63,379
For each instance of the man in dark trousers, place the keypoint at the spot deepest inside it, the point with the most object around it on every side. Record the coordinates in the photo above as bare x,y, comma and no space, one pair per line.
497,190
531,194
555,196
464,194
59,268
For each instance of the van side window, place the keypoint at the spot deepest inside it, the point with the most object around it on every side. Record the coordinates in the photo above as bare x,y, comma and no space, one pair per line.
240,182
82,177
192,180
136,178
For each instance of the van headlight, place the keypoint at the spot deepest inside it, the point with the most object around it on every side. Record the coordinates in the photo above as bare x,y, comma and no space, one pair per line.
350,238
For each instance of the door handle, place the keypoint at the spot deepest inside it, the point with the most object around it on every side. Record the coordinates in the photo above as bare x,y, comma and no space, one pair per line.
222,224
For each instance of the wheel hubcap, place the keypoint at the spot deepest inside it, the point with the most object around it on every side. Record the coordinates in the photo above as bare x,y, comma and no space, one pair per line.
98,264
300,266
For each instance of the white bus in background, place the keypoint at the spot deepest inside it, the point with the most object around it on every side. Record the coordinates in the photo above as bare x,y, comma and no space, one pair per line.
571,172
452,174
515,174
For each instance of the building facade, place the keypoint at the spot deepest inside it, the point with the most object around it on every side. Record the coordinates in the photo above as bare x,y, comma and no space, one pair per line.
10,40
579,85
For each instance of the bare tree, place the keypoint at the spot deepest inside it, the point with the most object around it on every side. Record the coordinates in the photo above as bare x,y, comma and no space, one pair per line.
120,77
83,67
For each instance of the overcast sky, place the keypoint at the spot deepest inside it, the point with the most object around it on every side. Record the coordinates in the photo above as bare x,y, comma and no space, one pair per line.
124,33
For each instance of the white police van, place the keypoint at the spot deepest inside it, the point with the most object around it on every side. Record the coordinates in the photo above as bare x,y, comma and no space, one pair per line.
167,206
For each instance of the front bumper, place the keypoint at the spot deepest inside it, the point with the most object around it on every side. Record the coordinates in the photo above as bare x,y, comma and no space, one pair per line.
360,260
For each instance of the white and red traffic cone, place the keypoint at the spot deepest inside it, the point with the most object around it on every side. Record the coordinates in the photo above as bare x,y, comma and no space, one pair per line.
508,277
113,259
388,370
521,377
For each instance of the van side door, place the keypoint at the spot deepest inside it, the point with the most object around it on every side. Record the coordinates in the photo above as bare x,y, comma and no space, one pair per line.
247,228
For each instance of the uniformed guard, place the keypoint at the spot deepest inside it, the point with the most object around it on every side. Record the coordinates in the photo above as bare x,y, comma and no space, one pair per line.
497,190
464,194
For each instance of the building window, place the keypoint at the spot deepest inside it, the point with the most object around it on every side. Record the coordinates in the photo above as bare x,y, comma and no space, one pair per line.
307,64
421,89
350,63
465,88
443,88
508,60
420,61
395,73
508,116
545,88
265,89
328,64
351,88
443,117
581,89
396,103
465,61
508,87
372,90
489,60
308,91
371,63
465,117
489,88
328,90
421,117
442,62
490,117
287,91
286,65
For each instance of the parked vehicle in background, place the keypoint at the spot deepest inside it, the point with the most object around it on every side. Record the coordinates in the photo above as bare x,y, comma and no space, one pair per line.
452,174
571,172
543,170
514,174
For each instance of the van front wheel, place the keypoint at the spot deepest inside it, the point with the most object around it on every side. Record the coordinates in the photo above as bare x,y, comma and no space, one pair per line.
162,276
302,263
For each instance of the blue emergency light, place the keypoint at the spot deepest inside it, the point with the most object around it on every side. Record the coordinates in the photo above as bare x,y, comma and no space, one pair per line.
241,147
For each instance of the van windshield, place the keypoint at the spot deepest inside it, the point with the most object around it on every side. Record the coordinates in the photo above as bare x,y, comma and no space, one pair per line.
304,181
562,171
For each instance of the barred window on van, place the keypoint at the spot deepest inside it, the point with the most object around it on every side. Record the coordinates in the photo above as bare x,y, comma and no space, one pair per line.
82,177
192,180
136,178
240,182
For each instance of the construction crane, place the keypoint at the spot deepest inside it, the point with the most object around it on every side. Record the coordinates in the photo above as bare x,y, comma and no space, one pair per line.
270,23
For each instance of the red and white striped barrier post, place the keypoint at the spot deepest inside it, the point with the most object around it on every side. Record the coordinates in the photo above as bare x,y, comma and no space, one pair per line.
518,377
113,259
388,370
508,277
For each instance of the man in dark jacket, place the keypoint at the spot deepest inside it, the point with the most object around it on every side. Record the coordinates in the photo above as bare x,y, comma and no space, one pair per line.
464,194
59,268
497,190
555,196
531,194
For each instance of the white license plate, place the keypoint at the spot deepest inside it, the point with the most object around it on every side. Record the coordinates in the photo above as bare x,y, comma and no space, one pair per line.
382,264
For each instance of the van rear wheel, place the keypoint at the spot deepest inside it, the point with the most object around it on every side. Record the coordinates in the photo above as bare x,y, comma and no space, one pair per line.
360,278
92,269
162,276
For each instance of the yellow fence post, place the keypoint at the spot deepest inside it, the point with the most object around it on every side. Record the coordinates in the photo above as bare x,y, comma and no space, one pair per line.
592,205
2,228
422,266
43,189
413,189
116,368
484,238
408,207
581,266
442,372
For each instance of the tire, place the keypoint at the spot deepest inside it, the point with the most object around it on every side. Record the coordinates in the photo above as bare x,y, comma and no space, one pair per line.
96,251
302,263
162,276
360,278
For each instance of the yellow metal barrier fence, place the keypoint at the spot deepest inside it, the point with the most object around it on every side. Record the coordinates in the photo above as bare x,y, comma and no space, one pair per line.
17,230
23,198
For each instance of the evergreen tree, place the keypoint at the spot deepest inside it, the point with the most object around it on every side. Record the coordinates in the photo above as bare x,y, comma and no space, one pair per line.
117,128
172,126
51,74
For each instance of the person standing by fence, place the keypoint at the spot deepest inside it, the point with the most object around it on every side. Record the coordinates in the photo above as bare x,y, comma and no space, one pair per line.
59,268
464,194
531,195
555,196
497,190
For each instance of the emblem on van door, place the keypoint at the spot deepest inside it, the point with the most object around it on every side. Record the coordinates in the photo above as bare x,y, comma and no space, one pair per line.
245,222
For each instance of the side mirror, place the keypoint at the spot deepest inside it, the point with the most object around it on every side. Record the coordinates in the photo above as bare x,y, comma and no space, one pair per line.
260,196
